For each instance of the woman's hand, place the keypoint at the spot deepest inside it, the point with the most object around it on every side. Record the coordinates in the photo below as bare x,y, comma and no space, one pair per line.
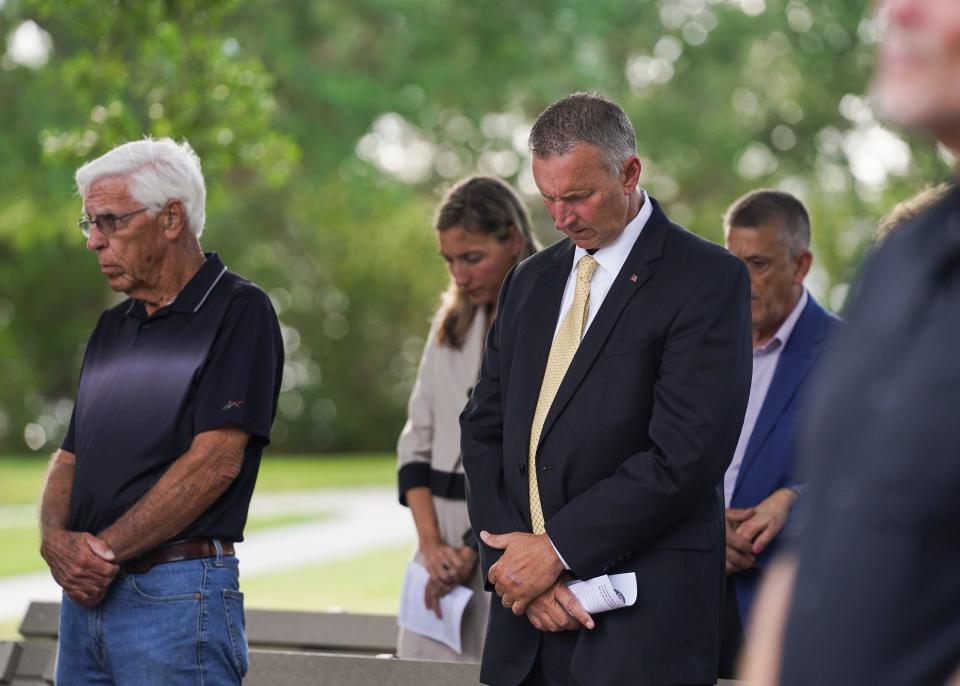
466,563
439,558
442,562
432,594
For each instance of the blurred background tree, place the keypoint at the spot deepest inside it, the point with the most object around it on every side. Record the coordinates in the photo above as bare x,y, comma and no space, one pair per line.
329,129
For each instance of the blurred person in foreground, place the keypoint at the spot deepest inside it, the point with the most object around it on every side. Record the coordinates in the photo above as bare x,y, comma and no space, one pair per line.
871,596
483,231
150,489
770,231
611,395
907,209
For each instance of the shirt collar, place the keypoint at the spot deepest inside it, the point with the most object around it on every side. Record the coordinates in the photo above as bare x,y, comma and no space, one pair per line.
611,257
199,288
194,294
782,335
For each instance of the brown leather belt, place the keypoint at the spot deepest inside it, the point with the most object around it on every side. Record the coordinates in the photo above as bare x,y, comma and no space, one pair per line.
179,551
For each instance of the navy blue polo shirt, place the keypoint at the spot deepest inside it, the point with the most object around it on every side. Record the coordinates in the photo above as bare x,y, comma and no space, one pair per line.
149,384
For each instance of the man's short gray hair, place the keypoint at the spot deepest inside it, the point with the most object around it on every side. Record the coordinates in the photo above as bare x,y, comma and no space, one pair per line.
157,171
766,206
584,118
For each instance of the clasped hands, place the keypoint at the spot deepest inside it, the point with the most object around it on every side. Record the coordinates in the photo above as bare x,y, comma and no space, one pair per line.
750,530
447,567
526,578
81,563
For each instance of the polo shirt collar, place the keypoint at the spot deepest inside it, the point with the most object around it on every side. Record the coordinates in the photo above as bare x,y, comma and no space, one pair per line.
199,288
194,294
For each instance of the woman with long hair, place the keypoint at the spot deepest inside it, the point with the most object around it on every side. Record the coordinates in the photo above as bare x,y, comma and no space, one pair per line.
483,231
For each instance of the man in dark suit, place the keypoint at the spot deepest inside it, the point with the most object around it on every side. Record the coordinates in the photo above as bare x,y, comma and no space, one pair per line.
875,597
610,399
770,231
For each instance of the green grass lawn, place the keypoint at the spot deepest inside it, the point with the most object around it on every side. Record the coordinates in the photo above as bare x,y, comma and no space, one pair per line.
21,477
293,472
21,550
21,542
272,521
368,583
9,630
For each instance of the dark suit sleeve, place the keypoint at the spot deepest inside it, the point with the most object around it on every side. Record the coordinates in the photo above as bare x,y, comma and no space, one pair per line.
481,444
699,401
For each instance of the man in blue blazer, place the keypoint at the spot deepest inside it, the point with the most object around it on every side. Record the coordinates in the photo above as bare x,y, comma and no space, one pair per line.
770,231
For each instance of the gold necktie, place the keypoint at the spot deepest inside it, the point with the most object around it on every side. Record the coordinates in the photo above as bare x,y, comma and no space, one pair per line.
564,347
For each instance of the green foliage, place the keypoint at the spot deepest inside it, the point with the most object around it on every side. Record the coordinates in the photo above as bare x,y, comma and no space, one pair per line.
327,129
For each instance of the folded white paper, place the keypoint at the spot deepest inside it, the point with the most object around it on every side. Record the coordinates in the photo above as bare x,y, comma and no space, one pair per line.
414,615
604,593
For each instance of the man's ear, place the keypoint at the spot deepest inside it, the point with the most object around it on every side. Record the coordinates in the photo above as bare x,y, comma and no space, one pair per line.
173,219
630,174
804,260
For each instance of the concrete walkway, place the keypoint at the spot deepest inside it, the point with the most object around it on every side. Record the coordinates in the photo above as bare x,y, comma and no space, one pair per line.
363,519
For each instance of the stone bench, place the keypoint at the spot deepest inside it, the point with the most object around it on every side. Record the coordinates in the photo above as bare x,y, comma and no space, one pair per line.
31,663
286,649
319,631
27,663
285,668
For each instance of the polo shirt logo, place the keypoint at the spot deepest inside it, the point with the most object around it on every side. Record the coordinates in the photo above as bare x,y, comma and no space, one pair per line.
232,405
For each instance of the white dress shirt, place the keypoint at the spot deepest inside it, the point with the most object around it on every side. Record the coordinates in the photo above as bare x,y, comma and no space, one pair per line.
765,360
610,259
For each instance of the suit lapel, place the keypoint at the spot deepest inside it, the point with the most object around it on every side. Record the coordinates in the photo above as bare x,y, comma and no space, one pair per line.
633,275
536,337
796,360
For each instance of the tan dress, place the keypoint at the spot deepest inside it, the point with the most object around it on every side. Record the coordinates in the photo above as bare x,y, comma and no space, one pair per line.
428,454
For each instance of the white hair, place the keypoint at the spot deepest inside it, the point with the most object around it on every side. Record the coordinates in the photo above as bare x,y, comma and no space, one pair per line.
157,171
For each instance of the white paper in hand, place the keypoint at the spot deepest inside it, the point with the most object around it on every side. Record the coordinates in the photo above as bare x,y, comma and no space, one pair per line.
414,615
604,593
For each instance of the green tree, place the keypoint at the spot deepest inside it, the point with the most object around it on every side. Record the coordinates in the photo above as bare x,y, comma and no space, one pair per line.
327,131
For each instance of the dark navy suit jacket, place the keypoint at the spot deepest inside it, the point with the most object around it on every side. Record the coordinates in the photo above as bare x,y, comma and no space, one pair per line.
632,452
768,460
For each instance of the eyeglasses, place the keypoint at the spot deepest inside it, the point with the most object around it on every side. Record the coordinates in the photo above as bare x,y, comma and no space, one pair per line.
106,223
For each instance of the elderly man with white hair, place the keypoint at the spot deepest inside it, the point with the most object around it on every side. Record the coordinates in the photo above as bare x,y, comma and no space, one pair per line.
178,391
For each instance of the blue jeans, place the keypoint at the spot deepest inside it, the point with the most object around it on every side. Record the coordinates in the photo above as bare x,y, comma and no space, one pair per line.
180,623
